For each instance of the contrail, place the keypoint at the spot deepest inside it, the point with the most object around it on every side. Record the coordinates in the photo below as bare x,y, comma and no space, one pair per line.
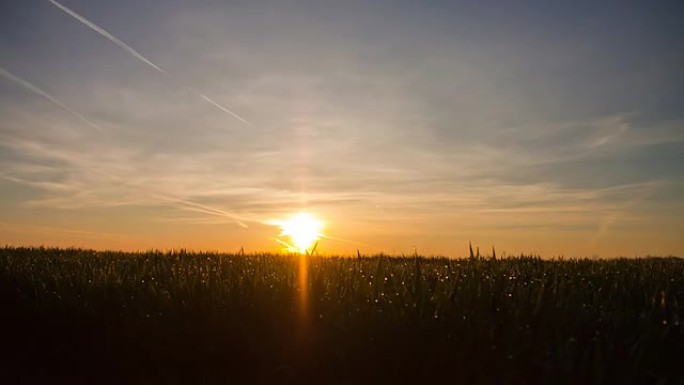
224,109
136,54
346,240
205,209
31,87
106,34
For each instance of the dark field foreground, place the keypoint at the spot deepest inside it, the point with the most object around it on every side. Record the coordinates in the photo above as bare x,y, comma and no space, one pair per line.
117,318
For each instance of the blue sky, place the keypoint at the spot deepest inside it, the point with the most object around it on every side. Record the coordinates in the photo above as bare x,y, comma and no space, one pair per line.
537,127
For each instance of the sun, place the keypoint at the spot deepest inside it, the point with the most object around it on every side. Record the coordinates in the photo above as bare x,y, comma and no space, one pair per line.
302,229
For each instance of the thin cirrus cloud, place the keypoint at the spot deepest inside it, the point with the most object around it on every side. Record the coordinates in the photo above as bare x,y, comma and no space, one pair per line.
402,194
139,56
488,204
89,179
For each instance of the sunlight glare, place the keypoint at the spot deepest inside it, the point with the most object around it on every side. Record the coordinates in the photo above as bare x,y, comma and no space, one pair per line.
302,229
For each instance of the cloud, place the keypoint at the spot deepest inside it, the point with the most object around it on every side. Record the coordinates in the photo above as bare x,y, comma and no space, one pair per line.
101,178
92,179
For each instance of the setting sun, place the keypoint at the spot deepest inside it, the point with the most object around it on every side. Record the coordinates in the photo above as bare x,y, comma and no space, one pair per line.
302,230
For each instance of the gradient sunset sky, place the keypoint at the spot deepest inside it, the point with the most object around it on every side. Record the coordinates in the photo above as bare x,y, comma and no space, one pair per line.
543,127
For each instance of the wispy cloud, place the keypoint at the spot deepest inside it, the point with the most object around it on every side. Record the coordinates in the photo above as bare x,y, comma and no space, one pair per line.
137,54
35,89
609,130
113,179
88,180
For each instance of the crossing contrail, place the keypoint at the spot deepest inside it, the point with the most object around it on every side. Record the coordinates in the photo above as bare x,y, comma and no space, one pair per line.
31,87
137,54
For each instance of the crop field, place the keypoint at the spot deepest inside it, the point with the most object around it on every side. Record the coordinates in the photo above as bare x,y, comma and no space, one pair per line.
82,316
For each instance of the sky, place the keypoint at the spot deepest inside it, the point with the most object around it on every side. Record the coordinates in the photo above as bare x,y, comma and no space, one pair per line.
538,127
